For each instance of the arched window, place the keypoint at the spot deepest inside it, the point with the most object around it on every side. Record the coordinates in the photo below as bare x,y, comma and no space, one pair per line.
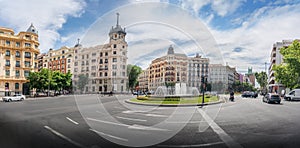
17,85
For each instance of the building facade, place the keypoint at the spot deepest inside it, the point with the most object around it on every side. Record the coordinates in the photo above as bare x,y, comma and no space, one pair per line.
221,77
276,59
18,56
59,60
103,65
174,68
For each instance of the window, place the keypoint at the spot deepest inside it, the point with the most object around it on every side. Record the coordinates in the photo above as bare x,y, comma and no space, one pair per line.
106,53
106,61
27,45
76,64
87,63
16,85
75,57
101,54
75,69
114,73
100,74
17,54
17,73
93,67
101,61
26,73
63,52
17,44
94,54
35,56
115,46
82,63
17,63
93,81
87,56
7,53
7,63
114,52
7,73
69,60
27,55
87,68
27,64
93,74
114,60
93,60
114,66
123,46
82,57
8,43
69,66
105,74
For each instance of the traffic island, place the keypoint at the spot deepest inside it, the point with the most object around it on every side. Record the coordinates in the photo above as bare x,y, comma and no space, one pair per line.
175,101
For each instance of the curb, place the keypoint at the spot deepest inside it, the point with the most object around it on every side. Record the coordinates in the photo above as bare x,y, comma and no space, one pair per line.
174,105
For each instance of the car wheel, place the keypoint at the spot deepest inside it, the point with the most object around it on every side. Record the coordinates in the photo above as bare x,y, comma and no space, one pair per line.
21,99
9,100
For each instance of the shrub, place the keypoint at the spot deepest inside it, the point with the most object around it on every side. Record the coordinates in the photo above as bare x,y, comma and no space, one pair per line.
142,98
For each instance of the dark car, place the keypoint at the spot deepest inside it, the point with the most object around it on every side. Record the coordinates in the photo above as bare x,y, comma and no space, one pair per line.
272,98
249,94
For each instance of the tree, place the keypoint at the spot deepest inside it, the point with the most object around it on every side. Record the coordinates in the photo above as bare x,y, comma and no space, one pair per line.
288,73
82,81
262,79
133,72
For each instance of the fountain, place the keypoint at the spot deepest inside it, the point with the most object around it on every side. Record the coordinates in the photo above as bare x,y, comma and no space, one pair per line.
180,90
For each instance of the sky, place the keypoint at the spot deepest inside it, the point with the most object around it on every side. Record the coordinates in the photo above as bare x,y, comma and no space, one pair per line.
239,33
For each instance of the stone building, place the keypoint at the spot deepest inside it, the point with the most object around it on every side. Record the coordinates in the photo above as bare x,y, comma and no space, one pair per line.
18,56
59,60
175,68
104,65
221,77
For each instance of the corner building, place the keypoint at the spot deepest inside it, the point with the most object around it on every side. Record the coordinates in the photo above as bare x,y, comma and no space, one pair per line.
104,65
18,56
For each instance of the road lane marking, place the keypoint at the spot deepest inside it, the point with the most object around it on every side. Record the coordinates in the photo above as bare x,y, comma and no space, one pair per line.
148,128
72,120
108,135
193,145
132,119
63,136
108,122
118,107
141,113
217,129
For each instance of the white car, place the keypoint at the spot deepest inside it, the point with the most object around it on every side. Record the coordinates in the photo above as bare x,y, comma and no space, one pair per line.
16,97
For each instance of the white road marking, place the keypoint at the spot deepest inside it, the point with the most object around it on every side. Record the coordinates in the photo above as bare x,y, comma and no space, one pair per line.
148,128
72,120
108,135
222,134
141,113
194,145
184,121
132,119
108,122
118,107
63,136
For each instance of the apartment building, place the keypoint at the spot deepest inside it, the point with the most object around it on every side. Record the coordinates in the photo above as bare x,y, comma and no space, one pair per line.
61,60
104,65
18,56
221,77
174,68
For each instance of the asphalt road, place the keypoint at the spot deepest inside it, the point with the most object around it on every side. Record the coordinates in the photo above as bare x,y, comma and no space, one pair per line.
93,121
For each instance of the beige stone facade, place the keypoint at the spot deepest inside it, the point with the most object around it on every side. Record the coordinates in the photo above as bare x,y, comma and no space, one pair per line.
104,65
174,68
18,56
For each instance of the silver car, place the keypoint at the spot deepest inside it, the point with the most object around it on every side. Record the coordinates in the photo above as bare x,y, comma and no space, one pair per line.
271,98
16,97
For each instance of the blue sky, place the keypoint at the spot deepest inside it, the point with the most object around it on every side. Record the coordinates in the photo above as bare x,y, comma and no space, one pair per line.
244,30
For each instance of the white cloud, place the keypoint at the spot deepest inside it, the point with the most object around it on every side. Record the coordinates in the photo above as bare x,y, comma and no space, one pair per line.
220,7
47,16
265,27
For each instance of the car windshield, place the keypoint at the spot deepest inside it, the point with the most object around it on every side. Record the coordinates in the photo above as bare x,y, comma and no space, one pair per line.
275,96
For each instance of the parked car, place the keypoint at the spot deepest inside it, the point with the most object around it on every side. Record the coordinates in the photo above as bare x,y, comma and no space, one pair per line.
16,97
271,98
293,95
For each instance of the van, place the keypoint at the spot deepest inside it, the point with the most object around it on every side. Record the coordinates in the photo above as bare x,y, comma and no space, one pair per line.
293,95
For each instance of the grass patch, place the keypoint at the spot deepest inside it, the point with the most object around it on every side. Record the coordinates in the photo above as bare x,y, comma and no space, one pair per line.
195,100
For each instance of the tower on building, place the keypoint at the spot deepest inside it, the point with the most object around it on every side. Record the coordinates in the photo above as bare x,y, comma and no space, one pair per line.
117,33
